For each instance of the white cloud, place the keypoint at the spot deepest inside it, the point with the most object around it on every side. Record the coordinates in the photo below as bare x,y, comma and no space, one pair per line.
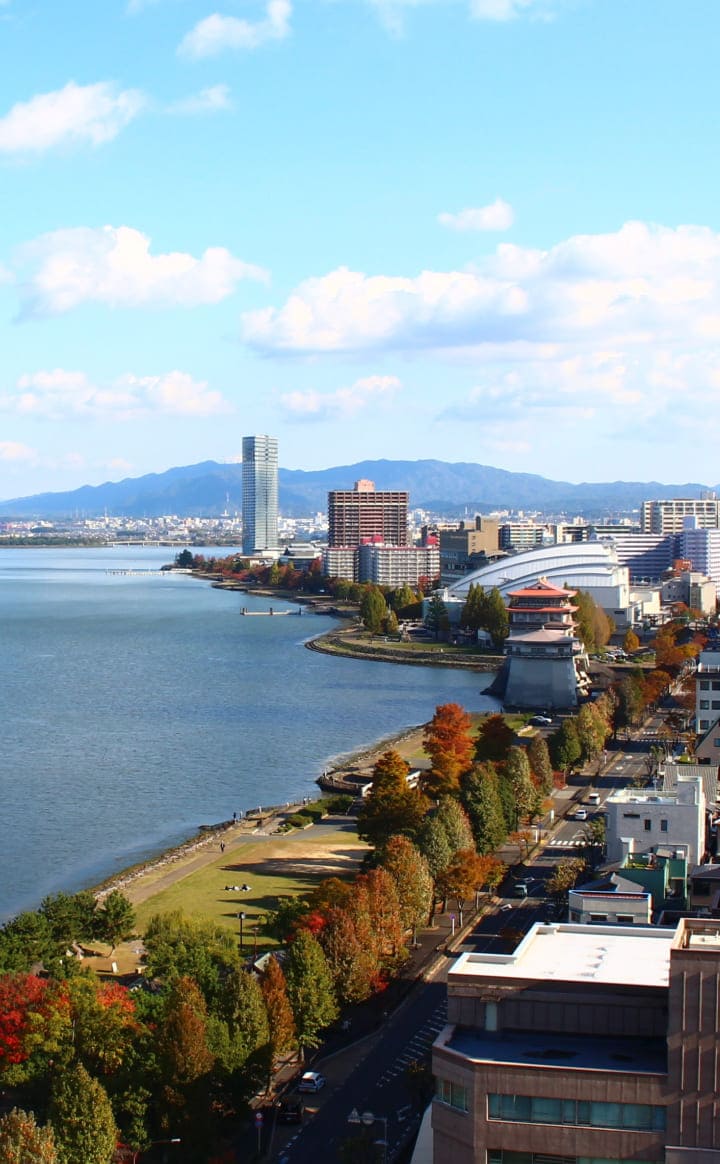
619,325
59,394
113,265
502,10
498,215
92,114
392,12
216,97
217,33
13,451
344,403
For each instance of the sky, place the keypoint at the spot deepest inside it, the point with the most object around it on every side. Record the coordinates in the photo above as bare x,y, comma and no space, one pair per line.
468,230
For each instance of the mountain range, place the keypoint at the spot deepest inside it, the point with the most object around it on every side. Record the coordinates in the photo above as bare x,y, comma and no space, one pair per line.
210,488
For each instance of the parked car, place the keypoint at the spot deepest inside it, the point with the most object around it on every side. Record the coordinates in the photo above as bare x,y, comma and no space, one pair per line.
581,814
541,720
311,1081
593,798
521,888
290,1111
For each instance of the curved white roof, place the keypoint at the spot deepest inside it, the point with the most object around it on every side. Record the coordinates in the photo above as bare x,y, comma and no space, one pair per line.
580,565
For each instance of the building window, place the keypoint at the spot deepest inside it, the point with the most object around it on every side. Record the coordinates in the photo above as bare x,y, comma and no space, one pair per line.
704,724
598,917
704,685
453,1094
715,685
715,704
625,919
533,1109
663,826
647,824
505,1156
704,704
631,815
716,743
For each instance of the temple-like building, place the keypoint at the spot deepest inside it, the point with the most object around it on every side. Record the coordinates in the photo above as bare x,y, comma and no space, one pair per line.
545,661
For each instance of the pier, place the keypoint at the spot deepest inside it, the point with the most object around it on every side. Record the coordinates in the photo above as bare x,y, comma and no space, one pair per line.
269,613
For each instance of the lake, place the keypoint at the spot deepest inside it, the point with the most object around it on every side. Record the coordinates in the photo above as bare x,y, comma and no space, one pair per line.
137,706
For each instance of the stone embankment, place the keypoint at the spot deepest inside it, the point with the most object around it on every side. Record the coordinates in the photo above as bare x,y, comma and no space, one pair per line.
347,644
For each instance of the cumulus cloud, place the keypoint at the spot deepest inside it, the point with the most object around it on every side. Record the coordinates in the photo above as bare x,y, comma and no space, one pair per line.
58,394
498,215
344,403
627,321
13,451
210,100
75,114
113,265
216,33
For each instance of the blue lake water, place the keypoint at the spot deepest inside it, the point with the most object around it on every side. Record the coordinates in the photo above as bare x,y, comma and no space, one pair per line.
135,707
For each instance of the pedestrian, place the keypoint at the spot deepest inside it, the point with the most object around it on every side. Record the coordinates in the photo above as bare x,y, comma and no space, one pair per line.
234,817
222,846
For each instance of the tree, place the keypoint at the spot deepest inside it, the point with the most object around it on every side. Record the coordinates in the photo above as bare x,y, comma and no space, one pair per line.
629,703
494,739
310,989
115,919
184,559
104,1023
281,1023
432,841
402,597
466,872
540,766
352,958
495,618
373,609
481,798
454,820
245,1018
391,806
565,877
179,946
448,743
565,749
71,917
472,613
409,870
391,623
185,1062
22,1141
630,642
376,897
437,619
81,1118
592,732
34,1026
517,773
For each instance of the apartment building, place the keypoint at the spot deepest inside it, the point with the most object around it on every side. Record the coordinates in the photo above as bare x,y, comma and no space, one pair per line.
638,821
667,516
587,1044
365,514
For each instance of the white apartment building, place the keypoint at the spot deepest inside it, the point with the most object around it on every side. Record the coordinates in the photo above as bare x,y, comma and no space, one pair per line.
398,565
702,548
640,821
667,516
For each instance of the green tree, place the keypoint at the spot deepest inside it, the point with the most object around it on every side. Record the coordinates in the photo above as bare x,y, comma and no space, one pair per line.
564,745
473,611
495,618
82,1119
517,773
71,918
184,559
373,610
432,841
310,989
179,946
494,739
402,597
565,877
242,1007
390,806
592,732
481,798
25,940
391,623
103,1022
540,766
454,820
409,870
629,696
115,918
23,1141
436,619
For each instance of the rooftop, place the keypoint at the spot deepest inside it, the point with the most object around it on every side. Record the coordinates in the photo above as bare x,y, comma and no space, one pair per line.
618,955
554,1050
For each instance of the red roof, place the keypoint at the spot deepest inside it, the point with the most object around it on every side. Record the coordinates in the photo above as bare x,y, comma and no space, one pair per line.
542,589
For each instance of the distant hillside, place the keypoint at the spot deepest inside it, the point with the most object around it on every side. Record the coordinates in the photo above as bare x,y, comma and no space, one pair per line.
208,488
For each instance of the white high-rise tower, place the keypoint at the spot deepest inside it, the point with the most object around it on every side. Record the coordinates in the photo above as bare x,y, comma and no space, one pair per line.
260,494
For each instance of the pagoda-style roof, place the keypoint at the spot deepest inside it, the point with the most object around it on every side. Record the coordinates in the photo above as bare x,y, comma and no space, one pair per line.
567,606
543,589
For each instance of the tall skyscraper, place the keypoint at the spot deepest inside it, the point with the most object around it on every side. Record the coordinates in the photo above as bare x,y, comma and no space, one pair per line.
260,494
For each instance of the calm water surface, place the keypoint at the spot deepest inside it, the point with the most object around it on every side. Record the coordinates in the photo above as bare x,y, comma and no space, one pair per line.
136,707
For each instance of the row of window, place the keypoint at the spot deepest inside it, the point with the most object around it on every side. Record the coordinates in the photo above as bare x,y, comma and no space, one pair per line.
705,685
706,704
647,822
504,1156
534,1109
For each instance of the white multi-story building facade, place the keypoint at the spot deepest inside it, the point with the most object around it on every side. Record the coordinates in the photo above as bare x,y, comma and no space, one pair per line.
260,495
640,821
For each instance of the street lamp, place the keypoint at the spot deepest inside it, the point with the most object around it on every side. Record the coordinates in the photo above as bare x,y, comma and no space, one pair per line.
241,916
367,1119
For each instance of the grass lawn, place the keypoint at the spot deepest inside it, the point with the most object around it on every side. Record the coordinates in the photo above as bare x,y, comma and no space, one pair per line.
272,868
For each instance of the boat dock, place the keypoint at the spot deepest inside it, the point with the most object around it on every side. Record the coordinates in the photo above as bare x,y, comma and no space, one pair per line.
271,613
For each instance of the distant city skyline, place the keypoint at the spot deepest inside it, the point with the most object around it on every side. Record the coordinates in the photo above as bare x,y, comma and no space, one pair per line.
470,230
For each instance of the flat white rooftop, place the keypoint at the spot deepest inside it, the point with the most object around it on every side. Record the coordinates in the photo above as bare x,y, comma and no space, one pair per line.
617,955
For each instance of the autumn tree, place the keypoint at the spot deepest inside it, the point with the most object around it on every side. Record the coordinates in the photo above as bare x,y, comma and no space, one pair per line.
281,1023
391,807
115,918
466,873
409,870
310,990
185,1062
629,701
540,766
565,877
564,745
592,731
481,798
630,642
432,841
35,1026
82,1119
449,744
103,1020
516,772
351,953
494,739
23,1141
376,898
455,821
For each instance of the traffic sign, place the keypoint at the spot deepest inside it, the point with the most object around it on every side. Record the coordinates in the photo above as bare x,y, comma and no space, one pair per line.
258,1119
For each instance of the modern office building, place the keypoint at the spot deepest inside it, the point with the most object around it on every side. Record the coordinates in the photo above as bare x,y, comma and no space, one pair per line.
667,516
260,495
587,1043
365,514
459,546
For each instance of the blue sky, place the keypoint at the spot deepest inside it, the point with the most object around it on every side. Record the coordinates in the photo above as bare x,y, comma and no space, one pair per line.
474,230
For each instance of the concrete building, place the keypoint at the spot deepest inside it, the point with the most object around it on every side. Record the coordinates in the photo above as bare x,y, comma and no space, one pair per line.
612,901
667,516
639,821
364,514
341,562
646,555
692,588
702,548
707,691
260,495
396,565
459,546
517,536
541,649
587,1043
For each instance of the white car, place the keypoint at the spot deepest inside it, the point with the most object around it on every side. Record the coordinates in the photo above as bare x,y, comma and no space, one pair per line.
311,1081
581,814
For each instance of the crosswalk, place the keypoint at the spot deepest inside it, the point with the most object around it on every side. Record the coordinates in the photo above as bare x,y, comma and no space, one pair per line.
419,1046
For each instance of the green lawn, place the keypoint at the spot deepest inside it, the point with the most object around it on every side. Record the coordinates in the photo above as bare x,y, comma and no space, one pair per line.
273,868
